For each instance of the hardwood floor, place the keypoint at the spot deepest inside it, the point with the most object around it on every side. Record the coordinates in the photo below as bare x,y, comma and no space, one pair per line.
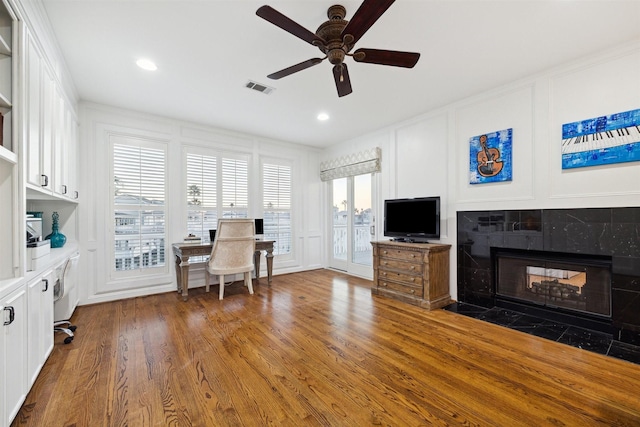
316,348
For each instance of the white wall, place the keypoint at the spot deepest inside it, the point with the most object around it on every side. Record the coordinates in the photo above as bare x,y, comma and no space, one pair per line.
429,154
93,212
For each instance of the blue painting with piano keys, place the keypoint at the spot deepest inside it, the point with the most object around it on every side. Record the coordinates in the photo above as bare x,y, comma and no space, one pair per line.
601,140
490,157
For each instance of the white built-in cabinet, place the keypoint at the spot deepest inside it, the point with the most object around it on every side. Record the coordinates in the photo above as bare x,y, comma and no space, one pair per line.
40,323
37,167
51,140
13,352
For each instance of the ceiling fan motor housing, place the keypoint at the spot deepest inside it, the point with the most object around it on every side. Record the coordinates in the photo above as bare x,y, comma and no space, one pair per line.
331,31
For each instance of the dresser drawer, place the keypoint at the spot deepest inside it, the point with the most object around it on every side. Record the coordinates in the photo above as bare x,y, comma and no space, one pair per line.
404,266
401,288
401,254
400,277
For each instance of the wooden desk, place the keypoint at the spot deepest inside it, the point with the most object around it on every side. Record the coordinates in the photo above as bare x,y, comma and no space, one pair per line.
183,251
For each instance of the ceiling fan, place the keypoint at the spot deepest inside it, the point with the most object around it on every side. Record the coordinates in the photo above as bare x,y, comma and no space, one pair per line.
337,37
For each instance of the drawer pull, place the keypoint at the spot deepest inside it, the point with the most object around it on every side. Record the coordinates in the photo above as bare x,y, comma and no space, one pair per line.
384,273
413,267
385,252
413,291
384,262
384,283
413,255
413,279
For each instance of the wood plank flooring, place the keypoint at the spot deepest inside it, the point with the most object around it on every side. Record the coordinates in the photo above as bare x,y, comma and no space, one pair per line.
317,349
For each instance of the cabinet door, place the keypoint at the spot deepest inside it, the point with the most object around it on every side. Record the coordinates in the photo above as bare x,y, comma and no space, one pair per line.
48,115
60,186
40,325
34,103
72,155
15,352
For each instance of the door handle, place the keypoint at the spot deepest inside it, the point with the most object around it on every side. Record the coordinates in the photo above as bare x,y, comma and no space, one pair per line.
12,315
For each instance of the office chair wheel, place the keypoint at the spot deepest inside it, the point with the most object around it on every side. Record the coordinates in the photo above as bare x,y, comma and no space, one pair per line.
73,328
67,340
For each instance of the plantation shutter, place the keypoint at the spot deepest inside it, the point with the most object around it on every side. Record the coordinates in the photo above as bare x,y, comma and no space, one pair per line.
276,194
139,188
202,214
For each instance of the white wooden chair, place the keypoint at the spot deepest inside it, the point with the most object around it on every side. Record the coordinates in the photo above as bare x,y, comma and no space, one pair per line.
232,252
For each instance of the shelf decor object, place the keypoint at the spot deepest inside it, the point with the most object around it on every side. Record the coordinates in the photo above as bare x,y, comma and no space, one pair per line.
57,239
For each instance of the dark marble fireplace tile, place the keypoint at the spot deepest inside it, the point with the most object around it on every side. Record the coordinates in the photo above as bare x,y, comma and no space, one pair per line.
628,267
625,240
625,306
628,352
468,310
499,316
586,339
551,331
539,327
587,215
571,335
588,238
626,215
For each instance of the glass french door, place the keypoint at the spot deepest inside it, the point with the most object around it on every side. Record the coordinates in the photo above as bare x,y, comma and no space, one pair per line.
352,221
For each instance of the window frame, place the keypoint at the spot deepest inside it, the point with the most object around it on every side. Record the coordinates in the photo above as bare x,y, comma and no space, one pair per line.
140,142
264,209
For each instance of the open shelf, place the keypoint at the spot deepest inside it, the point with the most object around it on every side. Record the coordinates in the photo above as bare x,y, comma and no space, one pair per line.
8,155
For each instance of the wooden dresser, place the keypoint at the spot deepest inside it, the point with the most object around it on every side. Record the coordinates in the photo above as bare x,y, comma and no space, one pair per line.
416,273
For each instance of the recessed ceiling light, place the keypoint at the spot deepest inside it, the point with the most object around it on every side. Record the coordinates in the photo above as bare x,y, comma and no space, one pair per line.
323,116
146,64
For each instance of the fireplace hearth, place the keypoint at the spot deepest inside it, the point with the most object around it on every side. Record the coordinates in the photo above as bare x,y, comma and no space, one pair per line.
576,266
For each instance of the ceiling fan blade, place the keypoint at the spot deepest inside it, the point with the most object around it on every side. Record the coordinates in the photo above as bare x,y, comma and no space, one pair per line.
295,68
276,18
366,15
386,57
341,76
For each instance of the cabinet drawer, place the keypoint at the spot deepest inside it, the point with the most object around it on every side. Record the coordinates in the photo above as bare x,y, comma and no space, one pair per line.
399,287
401,254
405,266
400,277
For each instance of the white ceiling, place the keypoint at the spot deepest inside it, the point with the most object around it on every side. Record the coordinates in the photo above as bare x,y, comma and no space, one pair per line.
207,50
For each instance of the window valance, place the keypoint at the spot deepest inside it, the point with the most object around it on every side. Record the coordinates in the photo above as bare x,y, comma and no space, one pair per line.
367,161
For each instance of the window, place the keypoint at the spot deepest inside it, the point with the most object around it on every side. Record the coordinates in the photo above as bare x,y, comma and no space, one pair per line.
235,188
139,210
217,187
202,214
276,194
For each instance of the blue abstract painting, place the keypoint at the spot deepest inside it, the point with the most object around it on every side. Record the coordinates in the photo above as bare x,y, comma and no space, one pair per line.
601,140
490,157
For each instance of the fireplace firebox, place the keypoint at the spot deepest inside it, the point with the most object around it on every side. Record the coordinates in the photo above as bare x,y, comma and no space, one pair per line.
566,282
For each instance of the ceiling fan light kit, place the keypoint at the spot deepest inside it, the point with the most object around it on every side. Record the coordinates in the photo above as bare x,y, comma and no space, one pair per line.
336,38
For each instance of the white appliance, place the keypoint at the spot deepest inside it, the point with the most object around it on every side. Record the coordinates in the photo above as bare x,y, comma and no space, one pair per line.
65,291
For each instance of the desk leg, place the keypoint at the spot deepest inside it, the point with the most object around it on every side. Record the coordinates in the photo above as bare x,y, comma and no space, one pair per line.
256,264
184,277
178,278
269,264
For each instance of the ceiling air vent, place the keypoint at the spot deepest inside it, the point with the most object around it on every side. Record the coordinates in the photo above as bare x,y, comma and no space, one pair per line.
259,87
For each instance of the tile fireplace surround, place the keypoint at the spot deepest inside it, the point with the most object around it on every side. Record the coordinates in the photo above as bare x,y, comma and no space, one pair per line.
603,232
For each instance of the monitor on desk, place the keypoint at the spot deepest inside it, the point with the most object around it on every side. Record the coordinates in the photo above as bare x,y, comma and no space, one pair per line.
259,226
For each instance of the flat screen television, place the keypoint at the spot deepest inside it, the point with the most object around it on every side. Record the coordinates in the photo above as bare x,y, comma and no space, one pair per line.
412,220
